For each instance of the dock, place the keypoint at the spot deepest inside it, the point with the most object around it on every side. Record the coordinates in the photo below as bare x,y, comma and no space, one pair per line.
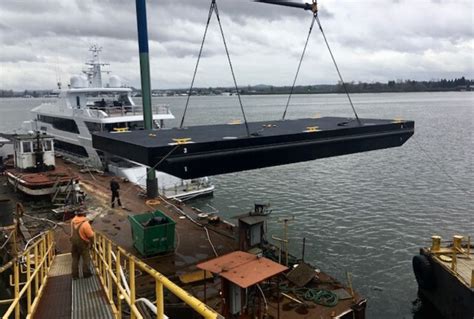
445,276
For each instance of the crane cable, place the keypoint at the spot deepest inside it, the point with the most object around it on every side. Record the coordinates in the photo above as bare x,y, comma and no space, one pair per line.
299,66
316,18
213,8
337,68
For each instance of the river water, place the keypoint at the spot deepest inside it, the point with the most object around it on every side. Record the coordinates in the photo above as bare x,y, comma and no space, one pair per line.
365,213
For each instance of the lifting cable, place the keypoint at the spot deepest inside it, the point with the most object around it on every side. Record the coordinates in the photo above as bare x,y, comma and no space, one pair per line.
213,8
337,68
316,18
299,66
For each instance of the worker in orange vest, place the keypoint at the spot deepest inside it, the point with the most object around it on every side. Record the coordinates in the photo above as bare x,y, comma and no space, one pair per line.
81,236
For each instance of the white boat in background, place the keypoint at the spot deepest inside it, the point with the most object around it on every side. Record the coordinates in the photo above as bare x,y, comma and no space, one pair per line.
87,106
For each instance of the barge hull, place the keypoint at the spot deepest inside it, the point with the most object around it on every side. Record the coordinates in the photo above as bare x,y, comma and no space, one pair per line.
218,149
451,297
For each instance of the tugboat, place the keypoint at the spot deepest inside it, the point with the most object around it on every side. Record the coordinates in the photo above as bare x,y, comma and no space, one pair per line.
445,277
34,170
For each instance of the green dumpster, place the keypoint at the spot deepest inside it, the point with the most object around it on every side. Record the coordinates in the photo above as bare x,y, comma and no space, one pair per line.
152,233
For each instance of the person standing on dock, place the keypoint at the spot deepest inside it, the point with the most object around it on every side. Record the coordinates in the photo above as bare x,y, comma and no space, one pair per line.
81,236
114,187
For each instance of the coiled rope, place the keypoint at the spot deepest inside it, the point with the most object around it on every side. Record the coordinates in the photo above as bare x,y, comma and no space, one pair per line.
319,296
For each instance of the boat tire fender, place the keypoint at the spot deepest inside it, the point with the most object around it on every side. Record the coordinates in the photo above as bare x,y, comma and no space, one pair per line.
423,272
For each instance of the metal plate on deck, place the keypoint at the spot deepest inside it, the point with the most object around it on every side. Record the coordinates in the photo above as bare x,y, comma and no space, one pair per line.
301,275
61,265
89,300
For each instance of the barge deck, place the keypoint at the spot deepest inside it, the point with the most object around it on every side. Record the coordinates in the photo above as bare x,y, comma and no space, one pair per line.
197,241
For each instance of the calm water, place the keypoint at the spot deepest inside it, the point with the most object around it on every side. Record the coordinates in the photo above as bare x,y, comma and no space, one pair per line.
366,213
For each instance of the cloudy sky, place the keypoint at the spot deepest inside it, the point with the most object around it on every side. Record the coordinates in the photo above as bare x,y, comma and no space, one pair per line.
373,40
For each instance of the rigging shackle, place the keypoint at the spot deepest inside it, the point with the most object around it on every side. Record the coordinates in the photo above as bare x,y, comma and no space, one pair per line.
314,7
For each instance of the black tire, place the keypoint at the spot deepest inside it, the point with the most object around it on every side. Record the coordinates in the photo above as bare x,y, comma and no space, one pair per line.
423,272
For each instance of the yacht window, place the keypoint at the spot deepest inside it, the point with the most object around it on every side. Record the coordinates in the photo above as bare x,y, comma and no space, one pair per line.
59,123
124,100
47,146
71,148
94,127
110,127
78,101
132,126
26,147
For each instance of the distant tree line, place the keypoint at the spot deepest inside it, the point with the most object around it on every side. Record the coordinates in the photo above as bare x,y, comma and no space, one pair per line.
25,93
461,84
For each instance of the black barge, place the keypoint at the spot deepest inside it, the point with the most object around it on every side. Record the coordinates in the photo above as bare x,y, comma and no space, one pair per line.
224,148
445,277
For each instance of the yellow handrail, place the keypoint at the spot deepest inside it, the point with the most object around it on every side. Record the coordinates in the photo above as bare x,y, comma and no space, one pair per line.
42,253
110,260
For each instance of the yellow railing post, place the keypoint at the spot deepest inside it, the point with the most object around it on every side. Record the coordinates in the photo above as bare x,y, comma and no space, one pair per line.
42,261
111,280
43,250
104,262
131,271
36,267
109,277
16,281
51,244
469,247
28,278
118,268
160,309
454,262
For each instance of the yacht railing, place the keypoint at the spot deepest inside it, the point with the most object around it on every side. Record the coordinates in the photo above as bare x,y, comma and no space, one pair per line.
125,110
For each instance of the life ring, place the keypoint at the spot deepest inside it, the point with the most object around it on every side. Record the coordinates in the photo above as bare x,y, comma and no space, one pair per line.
423,272
153,202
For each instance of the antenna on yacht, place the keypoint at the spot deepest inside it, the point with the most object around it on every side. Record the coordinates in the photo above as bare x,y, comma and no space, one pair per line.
57,69
94,71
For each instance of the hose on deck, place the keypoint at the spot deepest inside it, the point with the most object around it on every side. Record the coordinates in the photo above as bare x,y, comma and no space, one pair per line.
319,296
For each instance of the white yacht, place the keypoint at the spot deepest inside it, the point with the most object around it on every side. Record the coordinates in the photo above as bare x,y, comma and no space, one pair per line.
87,106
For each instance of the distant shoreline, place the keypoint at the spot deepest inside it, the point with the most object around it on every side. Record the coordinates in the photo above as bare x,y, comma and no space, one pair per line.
407,86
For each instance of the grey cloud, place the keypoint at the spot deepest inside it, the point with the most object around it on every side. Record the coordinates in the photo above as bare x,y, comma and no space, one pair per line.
265,41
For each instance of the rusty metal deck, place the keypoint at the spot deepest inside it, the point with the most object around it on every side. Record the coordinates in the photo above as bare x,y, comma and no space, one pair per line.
192,244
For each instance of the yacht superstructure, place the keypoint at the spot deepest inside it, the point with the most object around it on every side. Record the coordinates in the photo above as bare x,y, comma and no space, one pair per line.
88,106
